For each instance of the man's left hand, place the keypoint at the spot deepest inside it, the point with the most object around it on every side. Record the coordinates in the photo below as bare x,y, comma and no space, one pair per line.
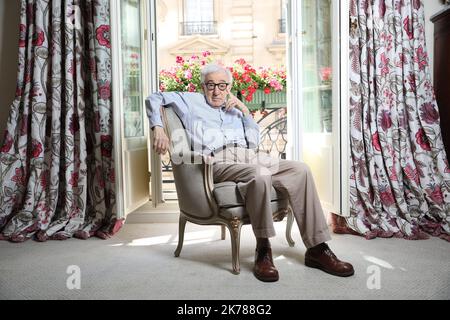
233,102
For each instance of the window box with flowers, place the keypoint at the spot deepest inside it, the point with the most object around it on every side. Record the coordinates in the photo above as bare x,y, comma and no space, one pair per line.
262,90
259,89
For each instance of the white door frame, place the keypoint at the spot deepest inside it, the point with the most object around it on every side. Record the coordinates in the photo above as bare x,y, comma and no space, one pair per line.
340,96
344,106
125,149
295,81
117,105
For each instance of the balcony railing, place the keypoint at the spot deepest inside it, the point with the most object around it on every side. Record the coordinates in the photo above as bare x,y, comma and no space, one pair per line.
198,27
282,25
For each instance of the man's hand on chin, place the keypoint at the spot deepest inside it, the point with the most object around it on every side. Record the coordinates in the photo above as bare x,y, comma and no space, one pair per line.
160,140
233,102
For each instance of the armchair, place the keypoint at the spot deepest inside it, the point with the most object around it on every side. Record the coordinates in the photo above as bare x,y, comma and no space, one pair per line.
205,203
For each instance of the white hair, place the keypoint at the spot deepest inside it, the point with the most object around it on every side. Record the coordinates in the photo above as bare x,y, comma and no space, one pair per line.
213,68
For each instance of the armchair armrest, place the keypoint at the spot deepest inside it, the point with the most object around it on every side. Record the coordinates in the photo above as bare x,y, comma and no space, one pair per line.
193,173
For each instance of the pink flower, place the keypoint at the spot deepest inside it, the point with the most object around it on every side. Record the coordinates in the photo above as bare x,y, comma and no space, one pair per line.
8,142
276,85
206,54
401,60
407,26
422,140
385,120
104,90
74,179
382,8
387,198
45,177
436,194
384,65
325,74
38,37
180,60
192,88
267,90
412,81
429,113
188,74
421,58
36,148
412,174
246,78
19,177
376,141
103,36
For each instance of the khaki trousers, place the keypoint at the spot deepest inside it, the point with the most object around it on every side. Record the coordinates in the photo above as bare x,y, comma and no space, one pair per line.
255,174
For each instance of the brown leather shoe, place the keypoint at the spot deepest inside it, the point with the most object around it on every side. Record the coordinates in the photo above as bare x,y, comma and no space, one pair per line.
264,269
321,257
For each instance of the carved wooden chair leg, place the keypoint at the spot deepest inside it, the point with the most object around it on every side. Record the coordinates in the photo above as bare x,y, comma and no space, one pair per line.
223,232
290,222
181,227
235,233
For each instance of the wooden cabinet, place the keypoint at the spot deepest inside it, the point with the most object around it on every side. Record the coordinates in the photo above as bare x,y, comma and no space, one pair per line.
442,71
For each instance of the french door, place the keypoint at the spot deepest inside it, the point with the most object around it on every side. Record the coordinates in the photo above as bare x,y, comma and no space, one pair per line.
316,122
129,91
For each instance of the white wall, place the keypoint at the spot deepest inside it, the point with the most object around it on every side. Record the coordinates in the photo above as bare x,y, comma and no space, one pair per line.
431,8
9,40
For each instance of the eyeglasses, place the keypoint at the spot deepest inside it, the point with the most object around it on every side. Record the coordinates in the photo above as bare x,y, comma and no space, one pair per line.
212,86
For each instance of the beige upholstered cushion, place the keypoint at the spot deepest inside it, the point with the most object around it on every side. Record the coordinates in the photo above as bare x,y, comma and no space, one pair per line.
241,213
227,195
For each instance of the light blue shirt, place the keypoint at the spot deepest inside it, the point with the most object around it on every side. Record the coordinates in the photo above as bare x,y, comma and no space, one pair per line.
208,128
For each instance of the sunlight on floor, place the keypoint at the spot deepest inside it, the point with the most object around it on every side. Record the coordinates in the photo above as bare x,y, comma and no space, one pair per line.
282,258
198,237
379,262
149,241
189,238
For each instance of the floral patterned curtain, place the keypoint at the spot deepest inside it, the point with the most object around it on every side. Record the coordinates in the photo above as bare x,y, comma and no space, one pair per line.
400,176
56,162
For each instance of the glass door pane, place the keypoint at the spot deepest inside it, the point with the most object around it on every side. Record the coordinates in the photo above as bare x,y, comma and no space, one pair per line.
132,66
319,135
131,106
317,66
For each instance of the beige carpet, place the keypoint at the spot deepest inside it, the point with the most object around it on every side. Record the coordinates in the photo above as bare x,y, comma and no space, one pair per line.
138,263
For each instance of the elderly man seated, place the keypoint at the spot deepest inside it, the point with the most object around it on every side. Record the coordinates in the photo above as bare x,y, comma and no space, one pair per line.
220,125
